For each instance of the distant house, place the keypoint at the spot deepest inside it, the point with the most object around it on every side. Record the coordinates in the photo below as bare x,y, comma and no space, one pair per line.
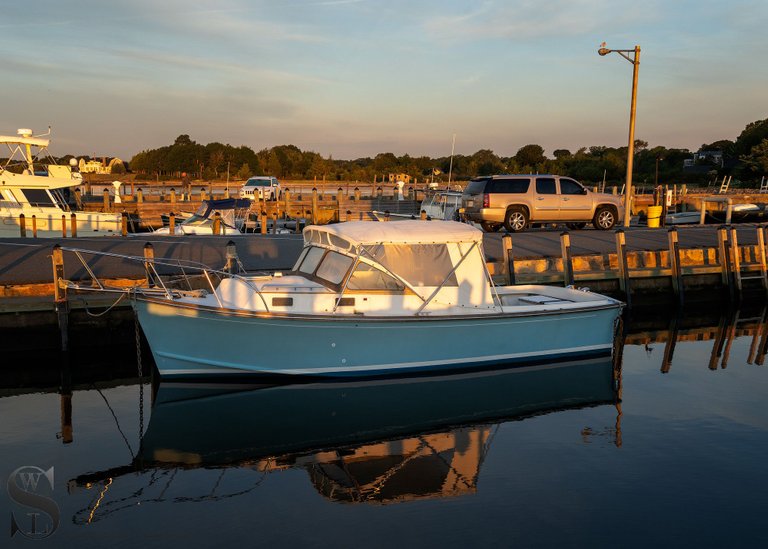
394,177
703,161
103,166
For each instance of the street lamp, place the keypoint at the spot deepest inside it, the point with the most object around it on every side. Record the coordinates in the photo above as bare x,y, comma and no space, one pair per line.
633,56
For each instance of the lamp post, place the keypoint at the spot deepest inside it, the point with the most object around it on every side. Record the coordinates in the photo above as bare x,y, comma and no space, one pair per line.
633,56
657,169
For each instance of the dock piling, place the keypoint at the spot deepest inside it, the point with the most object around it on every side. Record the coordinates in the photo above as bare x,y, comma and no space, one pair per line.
565,248
509,261
217,223
172,224
73,221
149,258
231,256
63,226
674,263
22,226
34,226
621,256
60,295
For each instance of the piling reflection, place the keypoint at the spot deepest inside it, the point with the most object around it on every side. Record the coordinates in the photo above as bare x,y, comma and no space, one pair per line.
368,442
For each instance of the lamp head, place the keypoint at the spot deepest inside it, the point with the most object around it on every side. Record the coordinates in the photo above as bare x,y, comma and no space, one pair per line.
603,50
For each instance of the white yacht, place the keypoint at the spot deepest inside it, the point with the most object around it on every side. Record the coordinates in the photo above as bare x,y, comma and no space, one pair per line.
33,185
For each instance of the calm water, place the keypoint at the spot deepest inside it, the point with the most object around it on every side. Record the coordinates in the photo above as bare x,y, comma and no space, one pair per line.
659,452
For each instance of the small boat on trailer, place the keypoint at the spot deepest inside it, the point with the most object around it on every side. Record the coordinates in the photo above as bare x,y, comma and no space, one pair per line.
371,300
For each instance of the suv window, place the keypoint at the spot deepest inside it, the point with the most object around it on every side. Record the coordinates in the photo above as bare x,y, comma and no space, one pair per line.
511,186
569,186
476,186
545,185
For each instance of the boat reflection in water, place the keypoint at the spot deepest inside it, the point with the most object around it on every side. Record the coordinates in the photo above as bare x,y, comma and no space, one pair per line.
380,441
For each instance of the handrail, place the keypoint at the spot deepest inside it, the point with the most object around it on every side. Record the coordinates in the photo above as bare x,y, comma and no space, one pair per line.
177,263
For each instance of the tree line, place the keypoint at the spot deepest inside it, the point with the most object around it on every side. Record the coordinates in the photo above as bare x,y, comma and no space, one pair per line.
745,158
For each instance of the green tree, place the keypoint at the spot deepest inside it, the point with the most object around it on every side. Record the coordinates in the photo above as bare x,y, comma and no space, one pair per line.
530,155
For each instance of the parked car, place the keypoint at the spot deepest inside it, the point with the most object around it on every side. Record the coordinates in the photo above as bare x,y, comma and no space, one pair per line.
261,187
515,201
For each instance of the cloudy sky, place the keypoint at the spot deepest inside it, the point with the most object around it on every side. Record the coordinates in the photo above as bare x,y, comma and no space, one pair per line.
352,78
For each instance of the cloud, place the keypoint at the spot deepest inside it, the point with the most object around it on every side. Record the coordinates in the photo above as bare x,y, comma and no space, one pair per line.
528,19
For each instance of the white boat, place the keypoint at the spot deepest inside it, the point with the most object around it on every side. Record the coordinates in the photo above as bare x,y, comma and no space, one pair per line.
231,213
33,186
372,299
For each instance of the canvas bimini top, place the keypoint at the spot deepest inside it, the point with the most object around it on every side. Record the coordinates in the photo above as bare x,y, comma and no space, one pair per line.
366,233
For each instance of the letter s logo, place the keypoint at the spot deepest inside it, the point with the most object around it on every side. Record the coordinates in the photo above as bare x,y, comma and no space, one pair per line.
23,487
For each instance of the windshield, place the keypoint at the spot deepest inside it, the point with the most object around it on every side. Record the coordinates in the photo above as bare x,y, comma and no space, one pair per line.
258,183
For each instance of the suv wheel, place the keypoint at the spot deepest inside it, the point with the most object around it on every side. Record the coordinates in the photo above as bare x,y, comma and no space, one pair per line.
576,226
516,219
490,227
605,218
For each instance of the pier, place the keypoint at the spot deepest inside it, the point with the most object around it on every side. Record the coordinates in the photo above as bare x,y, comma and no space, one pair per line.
635,262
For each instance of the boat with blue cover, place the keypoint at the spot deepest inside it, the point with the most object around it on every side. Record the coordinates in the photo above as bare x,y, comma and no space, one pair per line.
371,300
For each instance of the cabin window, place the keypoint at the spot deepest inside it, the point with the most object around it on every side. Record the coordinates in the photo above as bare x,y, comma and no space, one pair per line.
38,197
419,264
334,267
282,302
367,277
311,260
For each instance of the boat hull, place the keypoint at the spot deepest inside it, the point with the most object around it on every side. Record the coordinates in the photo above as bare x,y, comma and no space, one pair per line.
190,342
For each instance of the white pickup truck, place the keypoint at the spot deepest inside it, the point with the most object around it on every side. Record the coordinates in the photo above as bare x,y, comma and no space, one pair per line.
261,187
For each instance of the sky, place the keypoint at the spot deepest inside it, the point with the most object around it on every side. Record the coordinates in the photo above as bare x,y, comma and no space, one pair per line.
354,78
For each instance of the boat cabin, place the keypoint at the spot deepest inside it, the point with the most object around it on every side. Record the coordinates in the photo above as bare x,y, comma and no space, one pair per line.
408,267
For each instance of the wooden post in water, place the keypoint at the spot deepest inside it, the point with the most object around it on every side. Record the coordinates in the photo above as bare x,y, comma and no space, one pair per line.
728,210
60,295
124,224
674,263
263,221
73,222
423,215
22,226
139,196
34,226
105,196
173,196
735,259
149,259
761,257
621,257
217,223
340,202
65,400
411,193
274,221
314,205
231,255
287,205
357,194
565,249
509,261
63,226
725,260
172,224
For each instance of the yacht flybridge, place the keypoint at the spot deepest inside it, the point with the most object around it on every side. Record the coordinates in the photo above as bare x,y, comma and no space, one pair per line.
32,184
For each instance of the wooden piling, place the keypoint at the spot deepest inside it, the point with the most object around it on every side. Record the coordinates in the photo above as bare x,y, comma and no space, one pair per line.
231,258
173,196
139,196
73,222
423,215
314,205
761,257
263,222
105,196
509,262
60,295
287,202
172,224
34,226
357,194
274,222
149,259
735,259
124,224
22,226
217,223
725,261
63,226
565,249
621,256
674,263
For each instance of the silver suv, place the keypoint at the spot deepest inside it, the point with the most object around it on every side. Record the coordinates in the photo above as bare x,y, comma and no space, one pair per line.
514,201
